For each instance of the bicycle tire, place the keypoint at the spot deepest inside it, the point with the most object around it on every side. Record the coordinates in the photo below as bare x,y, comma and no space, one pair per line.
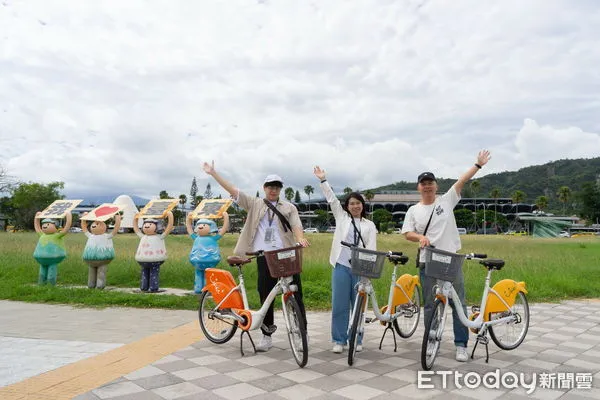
431,345
217,330
356,327
408,325
521,306
296,331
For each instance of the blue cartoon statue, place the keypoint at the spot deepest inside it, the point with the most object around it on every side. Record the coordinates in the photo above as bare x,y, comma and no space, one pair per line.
50,249
151,251
99,250
205,251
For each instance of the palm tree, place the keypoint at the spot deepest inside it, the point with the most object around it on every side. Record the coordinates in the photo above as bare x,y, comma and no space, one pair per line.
475,185
347,190
182,200
369,196
289,193
564,194
309,190
495,194
517,197
541,203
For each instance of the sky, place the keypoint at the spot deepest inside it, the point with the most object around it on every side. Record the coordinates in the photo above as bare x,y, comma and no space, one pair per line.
133,96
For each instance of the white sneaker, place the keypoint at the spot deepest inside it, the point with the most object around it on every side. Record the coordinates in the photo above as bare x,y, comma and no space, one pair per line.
337,348
461,354
265,343
359,348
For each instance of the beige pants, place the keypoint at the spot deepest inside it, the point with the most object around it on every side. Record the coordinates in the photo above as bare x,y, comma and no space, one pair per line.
97,273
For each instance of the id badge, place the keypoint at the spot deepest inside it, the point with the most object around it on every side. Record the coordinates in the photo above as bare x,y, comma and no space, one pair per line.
269,235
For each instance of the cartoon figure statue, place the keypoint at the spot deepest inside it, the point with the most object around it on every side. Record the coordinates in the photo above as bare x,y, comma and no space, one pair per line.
151,252
99,250
205,250
50,249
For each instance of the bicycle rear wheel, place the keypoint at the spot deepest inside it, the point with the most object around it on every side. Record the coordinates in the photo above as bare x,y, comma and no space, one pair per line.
510,335
406,324
357,326
432,338
296,330
216,328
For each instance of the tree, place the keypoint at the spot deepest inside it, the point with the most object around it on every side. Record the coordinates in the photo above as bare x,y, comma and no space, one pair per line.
564,195
475,185
590,202
257,194
381,218
464,218
322,217
208,194
541,202
495,194
369,196
309,190
289,193
193,193
198,200
29,198
347,190
518,196
182,200
163,195
5,180
296,197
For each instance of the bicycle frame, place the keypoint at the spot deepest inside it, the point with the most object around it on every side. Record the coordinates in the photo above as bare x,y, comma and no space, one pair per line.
447,292
248,319
365,286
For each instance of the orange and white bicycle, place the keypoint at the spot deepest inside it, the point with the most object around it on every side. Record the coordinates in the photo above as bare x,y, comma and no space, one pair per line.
224,304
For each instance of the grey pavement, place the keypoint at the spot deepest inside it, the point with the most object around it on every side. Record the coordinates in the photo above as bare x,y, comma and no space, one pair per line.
36,338
562,352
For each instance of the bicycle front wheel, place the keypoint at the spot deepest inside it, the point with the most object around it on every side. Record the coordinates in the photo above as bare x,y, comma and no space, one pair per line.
296,330
509,335
432,338
357,326
406,324
216,328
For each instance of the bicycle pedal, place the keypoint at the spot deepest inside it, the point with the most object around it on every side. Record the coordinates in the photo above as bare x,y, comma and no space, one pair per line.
368,320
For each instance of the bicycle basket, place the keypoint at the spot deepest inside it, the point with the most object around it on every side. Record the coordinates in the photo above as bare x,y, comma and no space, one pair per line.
284,262
367,263
443,265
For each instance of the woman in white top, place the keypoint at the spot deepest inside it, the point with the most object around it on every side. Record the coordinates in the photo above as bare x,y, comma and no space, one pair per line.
350,226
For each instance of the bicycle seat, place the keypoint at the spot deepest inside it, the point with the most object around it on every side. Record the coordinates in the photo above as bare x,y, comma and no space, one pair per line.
236,260
492,264
402,259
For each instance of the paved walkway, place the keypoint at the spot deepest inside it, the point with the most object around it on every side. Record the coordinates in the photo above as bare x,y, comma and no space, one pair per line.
172,361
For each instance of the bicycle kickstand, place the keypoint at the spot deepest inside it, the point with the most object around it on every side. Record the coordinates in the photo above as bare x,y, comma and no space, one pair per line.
482,339
389,326
242,342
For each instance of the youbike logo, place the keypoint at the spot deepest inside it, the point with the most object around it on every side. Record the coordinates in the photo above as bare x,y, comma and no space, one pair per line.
506,380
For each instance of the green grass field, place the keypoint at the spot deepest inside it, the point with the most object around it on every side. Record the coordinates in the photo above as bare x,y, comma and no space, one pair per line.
554,269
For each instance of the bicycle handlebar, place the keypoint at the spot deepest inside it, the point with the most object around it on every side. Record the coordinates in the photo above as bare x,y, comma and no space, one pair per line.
476,256
393,256
261,252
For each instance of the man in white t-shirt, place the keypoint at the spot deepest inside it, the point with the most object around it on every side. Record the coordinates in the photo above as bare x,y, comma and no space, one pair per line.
431,222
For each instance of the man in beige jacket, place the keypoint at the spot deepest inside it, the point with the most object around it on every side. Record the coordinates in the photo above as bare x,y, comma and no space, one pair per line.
264,230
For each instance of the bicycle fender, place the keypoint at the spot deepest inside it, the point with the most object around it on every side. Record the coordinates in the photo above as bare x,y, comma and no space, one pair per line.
219,284
408,283
507,289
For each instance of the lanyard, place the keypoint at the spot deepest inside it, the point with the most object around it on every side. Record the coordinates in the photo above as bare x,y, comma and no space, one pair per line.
271,214
357,235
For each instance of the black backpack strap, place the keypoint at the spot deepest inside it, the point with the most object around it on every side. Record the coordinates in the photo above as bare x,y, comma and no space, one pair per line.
284,221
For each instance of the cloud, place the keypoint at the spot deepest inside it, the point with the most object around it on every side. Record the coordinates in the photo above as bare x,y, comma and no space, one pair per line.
133,96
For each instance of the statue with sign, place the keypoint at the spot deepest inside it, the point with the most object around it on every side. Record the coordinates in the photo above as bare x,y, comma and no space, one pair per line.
151,252
205,251
99,250
50,250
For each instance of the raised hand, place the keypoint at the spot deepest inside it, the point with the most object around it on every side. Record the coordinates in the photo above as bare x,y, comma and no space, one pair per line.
319,173
483,157
209,168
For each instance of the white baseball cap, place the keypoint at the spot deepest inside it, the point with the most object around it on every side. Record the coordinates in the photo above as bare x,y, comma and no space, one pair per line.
273,178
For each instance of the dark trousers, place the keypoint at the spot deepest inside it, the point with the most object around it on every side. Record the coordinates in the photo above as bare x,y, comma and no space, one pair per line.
264,286
150,276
